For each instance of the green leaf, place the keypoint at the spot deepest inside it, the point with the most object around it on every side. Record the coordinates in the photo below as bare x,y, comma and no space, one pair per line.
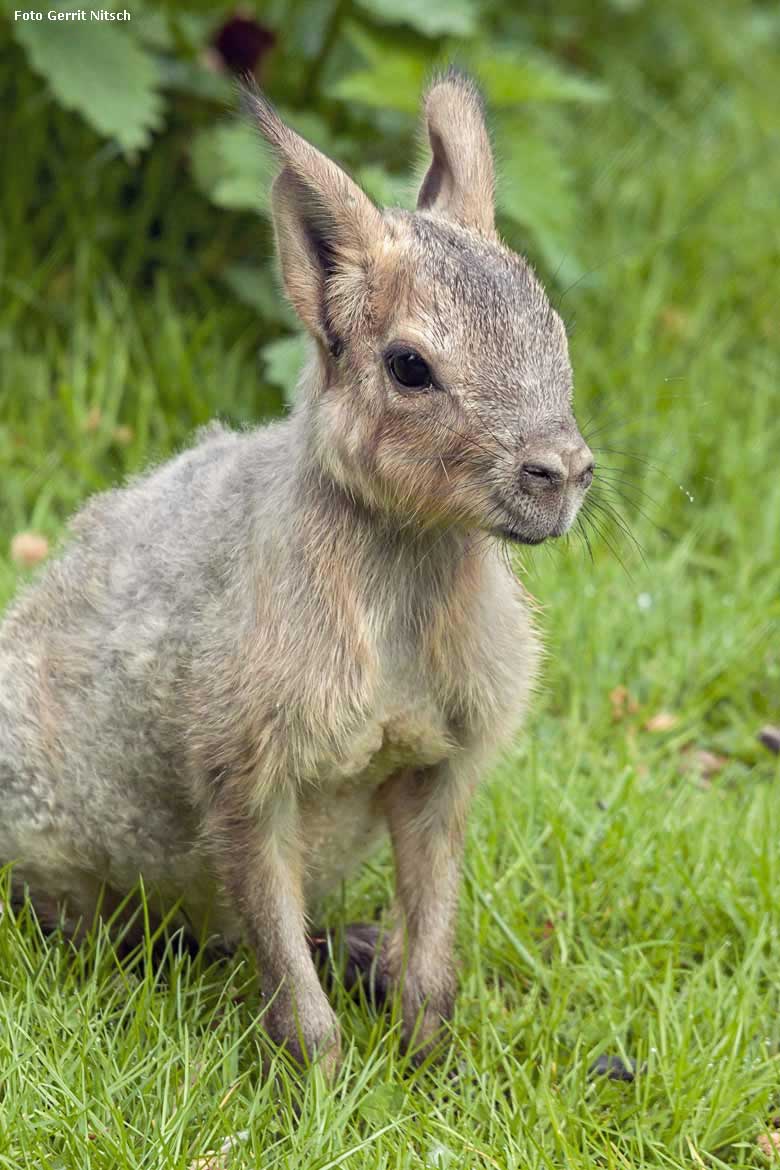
511,78
535,190
232,166
385,189
311,125
432,18
99,70
393,80
191,77
284,360
164,27
395,73
259,288
152,27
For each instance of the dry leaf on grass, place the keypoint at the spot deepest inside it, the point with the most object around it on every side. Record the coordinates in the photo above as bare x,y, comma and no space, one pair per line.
662,721
93,420
709,762
28,549
769,1144
623,703
675,320
702,763
123,435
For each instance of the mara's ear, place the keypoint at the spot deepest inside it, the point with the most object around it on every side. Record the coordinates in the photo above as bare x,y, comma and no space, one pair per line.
324,223
460,182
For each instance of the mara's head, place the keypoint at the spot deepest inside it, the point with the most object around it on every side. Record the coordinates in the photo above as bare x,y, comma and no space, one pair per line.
443,390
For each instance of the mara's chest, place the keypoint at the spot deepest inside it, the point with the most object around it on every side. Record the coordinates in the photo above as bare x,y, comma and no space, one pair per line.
448,693
342,809
387,740
342,812
429,689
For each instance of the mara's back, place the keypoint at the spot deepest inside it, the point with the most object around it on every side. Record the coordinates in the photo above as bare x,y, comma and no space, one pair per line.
95,655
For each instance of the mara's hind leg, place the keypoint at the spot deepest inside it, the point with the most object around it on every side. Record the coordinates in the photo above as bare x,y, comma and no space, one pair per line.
48,911
70,906
357,952
74,908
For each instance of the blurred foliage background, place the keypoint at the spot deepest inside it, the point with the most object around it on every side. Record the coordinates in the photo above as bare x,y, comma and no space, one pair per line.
128,170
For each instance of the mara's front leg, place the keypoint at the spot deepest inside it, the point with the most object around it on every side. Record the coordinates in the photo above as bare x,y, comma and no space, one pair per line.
426,812
258,859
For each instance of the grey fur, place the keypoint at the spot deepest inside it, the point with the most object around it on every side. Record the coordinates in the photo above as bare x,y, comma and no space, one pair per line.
250,662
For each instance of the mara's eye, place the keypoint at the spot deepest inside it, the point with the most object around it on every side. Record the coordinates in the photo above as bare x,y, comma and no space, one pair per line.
409,369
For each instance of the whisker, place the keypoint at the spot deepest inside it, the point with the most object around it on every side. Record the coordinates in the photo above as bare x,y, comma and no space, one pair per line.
612,514
582,532
627,454
612,419
622,494
612,475
599,528
493,435
465,438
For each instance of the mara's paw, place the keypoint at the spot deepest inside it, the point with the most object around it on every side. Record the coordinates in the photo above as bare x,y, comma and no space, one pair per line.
426,1012
358,952
307,1031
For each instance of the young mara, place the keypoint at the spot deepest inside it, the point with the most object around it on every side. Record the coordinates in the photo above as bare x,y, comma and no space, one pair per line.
250,662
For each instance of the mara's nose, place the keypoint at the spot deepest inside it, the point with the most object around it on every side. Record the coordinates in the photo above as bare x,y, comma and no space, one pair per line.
551,467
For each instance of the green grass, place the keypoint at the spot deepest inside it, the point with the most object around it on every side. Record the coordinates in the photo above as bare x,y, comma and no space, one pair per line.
614,902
